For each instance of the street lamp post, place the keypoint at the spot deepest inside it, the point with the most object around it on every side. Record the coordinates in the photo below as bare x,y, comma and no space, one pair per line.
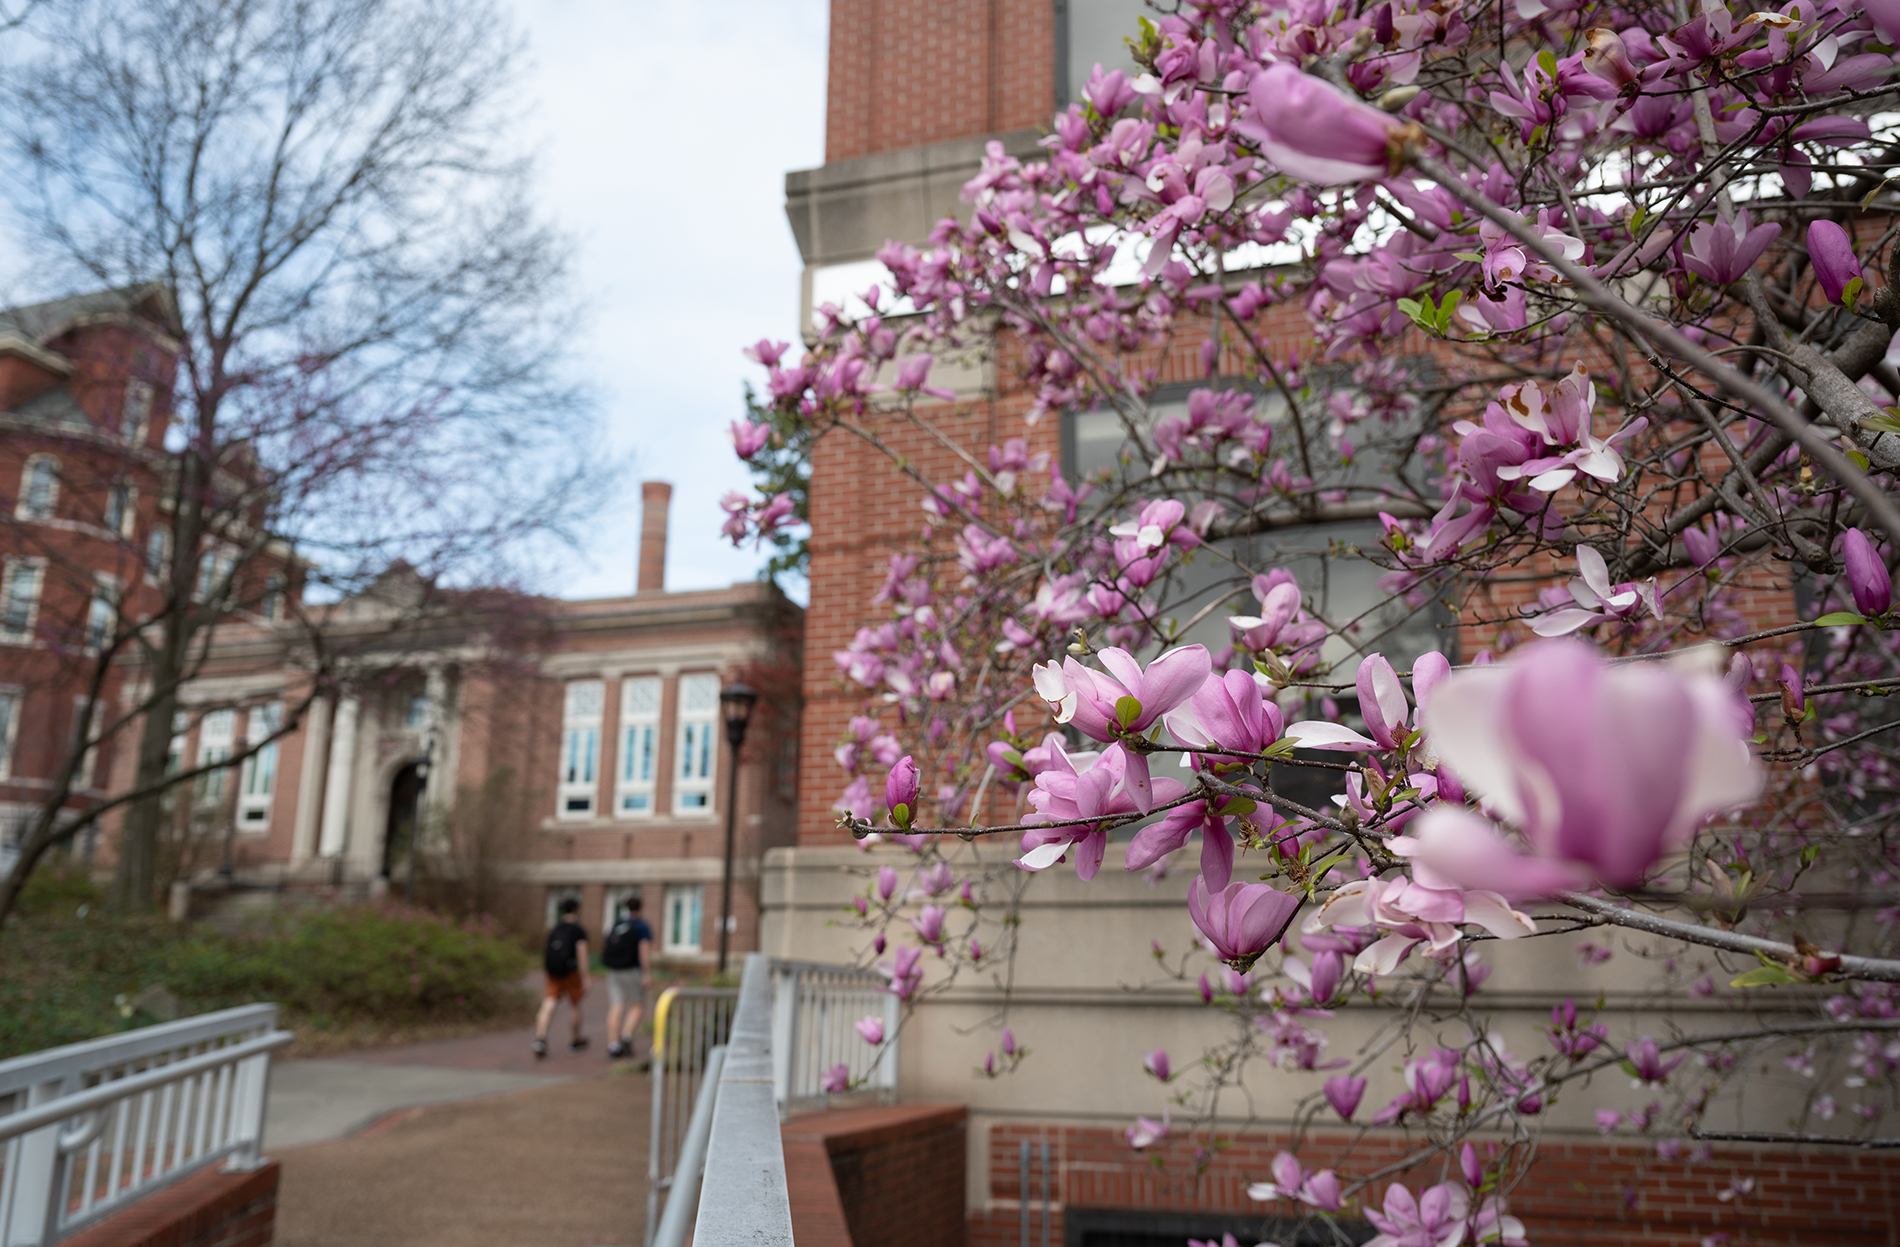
735,707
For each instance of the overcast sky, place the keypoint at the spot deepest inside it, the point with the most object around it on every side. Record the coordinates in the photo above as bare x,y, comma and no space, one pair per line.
664,134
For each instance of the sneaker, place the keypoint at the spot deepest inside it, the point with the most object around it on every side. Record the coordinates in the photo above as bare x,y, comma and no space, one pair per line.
616,1050
578,1044
540,1048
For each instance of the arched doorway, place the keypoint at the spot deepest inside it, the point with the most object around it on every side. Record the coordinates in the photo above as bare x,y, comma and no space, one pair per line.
405,795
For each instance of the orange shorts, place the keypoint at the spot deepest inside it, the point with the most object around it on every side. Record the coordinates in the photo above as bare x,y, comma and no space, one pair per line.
568,985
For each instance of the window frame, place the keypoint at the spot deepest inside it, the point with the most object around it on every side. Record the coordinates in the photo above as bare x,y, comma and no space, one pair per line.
692,895
647,724
211,783
102,611
24,509
12,696
13,569
696,736
135,409
260,721
579,726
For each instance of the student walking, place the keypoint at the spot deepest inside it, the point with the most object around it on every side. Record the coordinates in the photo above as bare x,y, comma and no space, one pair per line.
565,961
627,952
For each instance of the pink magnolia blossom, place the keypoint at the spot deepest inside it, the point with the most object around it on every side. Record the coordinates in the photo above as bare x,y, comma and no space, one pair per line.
1156,1063
1645,1063
1146,1131
1436,1218
938,878
929,924
1722,252
1243,920
1603,769
886,882
1291,1181
1074,794
1313,132
1595,599
837,1079
1382,701
905,972
749,439
1123,700
1424,909
1344,1092
1867,577
870,1029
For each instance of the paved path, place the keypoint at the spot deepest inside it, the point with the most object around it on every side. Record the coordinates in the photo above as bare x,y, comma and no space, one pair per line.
463,1143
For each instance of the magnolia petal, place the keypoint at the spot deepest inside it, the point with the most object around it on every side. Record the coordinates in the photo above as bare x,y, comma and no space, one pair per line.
1319,734
1043,856
1564,622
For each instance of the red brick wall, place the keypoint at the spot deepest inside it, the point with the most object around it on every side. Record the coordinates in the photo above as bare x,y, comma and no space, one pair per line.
890,1176
1576,1194
904,73
208,1209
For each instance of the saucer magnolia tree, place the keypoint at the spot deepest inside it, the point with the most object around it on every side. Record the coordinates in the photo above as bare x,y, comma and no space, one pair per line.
1582,312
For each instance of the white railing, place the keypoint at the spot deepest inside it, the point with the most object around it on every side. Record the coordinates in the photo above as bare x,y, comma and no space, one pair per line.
745,1160
87,1129
815,1012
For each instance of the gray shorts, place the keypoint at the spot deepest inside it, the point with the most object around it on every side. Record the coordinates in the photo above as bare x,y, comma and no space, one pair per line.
624,987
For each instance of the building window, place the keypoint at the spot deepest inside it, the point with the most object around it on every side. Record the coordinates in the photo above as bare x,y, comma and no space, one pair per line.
580,748
272,608
683,904
158,554
20,600
555,897
137,413
639,745
102,614
214,572
119,509
39,488
10,699
216,731
415,715
610,905
698,745
259,777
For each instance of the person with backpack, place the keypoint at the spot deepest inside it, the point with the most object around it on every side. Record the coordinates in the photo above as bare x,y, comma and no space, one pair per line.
627,952
565,961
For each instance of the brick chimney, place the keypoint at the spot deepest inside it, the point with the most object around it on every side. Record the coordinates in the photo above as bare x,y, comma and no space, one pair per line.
655,497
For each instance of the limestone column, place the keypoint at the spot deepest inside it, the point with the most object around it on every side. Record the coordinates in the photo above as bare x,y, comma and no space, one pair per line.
336,786
310,779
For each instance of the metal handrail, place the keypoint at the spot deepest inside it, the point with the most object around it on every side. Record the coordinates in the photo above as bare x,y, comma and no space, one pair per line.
744,1157
97,1126
687,1024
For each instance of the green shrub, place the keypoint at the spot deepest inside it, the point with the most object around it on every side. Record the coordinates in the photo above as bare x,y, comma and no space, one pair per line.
66,977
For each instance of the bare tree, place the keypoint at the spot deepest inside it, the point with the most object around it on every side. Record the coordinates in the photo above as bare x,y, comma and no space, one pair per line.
371,316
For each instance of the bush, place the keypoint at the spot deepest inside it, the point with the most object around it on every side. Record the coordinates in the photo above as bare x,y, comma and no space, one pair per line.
66,977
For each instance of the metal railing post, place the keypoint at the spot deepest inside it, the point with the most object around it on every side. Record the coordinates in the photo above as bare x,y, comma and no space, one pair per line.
684,1192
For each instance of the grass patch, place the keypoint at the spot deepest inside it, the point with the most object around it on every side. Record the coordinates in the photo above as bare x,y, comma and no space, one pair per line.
344,975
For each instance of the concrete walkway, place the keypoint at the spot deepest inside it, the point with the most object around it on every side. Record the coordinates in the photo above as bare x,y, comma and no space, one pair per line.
464,1143
318,1099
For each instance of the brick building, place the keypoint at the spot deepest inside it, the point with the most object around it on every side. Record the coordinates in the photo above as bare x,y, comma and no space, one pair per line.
534,749
85,404
915,92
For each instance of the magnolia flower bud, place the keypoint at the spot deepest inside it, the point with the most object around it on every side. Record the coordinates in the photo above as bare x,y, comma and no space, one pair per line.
1867,577
1832,254
900,792
871,1029
1794,699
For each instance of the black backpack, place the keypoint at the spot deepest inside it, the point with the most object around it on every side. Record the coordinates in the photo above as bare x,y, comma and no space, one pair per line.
559,959
621,951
